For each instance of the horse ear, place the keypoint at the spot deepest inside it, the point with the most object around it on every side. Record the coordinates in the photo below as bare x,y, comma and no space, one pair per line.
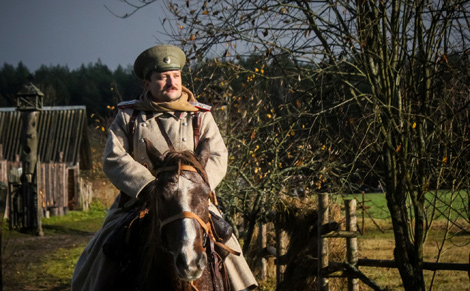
154,155
203,151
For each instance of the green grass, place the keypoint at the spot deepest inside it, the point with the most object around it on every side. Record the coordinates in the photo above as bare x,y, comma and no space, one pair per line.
87,221
446,204
61,263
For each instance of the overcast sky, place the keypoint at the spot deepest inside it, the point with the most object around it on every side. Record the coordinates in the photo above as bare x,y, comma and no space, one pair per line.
72,33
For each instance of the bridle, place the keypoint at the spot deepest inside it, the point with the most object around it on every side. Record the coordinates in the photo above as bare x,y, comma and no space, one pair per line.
185,214
209,240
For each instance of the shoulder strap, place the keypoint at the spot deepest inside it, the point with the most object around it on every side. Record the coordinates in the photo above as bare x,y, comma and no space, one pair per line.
196,128
164,134
131,130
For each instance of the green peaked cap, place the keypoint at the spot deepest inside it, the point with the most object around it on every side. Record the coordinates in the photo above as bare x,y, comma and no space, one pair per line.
160,58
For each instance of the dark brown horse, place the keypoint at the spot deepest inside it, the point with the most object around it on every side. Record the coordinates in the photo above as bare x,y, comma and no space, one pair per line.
170,241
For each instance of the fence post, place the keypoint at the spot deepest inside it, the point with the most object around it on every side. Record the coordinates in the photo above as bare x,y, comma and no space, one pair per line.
262,243
322,242
3,202
280,251
351,242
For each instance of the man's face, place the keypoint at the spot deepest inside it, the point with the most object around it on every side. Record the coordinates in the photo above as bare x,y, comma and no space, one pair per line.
165,86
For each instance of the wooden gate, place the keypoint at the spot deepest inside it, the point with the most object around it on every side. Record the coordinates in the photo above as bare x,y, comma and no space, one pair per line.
52,187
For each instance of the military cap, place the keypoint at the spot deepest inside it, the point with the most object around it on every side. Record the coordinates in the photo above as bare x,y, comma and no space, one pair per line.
160,58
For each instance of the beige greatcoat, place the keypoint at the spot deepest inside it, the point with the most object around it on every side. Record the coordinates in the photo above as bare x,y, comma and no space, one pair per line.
129,175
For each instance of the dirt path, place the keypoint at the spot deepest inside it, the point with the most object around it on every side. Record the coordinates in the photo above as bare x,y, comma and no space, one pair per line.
25,257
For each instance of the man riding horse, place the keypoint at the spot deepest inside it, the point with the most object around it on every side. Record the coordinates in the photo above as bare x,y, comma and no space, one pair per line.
165,106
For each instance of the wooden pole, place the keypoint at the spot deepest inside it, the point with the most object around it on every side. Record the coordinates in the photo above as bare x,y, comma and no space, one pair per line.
262,243
3,202
280,251
351,242
322,242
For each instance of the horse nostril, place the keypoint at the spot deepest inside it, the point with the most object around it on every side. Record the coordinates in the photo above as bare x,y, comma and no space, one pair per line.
202,261
181,262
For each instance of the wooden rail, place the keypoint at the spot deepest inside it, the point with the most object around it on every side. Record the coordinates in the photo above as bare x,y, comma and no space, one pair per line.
349,268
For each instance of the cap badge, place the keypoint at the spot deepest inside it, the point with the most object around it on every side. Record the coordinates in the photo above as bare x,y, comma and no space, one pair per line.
167,60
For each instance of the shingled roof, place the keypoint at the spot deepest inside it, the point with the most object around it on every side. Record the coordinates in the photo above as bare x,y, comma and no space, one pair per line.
60,130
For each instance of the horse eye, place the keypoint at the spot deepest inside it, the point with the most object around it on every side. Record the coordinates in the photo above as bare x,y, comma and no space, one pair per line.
173,180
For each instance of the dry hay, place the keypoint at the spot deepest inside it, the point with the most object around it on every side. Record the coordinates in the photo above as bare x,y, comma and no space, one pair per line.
299,219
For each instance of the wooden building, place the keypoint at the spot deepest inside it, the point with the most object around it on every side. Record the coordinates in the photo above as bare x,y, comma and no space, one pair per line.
63,150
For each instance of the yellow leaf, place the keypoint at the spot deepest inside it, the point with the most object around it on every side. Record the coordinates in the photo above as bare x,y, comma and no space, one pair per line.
398,149
444,159
414,124
445,58
205,12
268,115
253,134
103,129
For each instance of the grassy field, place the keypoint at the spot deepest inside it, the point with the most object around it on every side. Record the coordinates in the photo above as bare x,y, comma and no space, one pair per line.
375,244
377,204
377,241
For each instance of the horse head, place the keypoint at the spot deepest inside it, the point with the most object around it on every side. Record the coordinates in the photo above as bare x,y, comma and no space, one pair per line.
180,203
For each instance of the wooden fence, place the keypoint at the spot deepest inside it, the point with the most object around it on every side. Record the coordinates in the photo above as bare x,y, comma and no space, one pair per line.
349,268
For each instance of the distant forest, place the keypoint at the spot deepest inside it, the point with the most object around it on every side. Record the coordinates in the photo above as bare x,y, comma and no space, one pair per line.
92,85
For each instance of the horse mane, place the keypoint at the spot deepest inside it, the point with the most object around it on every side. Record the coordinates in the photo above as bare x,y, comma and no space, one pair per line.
173,158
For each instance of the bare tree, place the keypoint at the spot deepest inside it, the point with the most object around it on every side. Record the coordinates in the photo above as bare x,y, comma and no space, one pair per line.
382,84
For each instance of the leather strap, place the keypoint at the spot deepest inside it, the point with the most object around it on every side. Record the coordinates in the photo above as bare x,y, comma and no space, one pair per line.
164,134
187,214
205,226
131,130
196,128
171,168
